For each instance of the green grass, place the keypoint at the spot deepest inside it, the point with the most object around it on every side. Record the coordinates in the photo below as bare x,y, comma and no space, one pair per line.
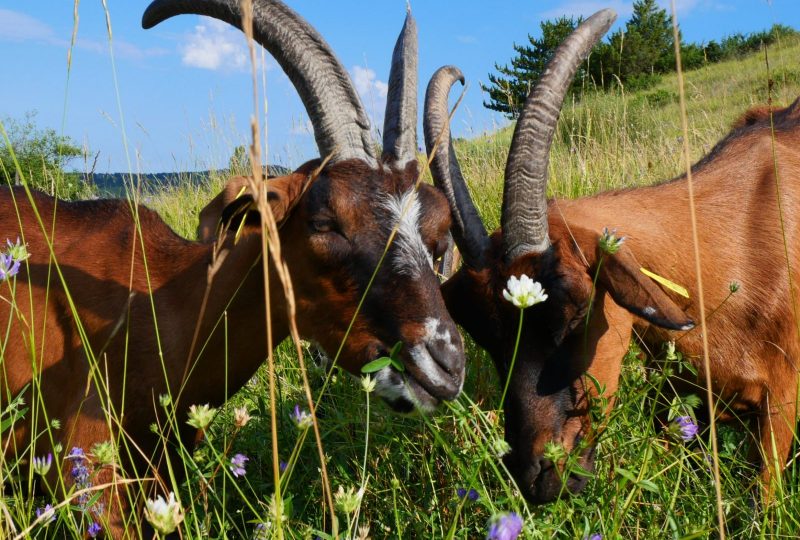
647,484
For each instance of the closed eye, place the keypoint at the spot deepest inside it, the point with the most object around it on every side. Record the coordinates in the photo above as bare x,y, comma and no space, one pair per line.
324,225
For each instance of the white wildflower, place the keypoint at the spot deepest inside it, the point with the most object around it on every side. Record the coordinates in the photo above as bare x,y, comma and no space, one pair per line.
164,515
523,292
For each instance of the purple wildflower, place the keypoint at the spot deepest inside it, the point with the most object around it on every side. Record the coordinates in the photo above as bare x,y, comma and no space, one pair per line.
9,267
685,428
594,536
41,465
471,494
94,529
282,466
80,475
48,512
76,453
301,418
238,463
506,526
261,532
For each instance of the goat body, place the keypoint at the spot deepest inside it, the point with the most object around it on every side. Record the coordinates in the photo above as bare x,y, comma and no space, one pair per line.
746,196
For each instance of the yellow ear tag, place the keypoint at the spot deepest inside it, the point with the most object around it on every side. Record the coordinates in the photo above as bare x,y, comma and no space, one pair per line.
674,287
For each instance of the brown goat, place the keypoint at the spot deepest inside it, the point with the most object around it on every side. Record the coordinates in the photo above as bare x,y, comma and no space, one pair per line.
113,309
598,299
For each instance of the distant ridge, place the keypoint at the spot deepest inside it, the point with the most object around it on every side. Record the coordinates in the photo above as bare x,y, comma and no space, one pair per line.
112,185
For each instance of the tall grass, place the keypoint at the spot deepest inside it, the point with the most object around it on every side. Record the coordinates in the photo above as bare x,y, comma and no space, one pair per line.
647,484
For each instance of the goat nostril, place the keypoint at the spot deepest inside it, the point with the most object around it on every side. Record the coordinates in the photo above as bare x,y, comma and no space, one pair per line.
447,361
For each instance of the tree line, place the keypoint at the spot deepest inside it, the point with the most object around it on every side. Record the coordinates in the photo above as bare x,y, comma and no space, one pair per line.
634,56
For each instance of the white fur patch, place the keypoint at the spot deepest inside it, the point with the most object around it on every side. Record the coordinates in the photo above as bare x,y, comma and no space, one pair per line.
390,385
411,255
432,334
649,311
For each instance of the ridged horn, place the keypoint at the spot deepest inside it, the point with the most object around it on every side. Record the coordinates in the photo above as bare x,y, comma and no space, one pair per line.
400,120
341,127
468,230
524,217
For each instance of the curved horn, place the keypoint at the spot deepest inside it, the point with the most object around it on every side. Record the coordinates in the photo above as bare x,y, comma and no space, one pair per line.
341,127
468,230
400,120
524,218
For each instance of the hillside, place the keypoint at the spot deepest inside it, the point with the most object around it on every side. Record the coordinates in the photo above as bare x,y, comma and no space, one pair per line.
616,139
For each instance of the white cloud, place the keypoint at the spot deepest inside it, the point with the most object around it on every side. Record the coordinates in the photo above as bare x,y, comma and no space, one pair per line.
214,45
367,83
15,26
372,92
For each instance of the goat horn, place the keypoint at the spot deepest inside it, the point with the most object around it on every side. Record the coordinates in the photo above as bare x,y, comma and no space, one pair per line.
341,127
468,230
400,120
524,217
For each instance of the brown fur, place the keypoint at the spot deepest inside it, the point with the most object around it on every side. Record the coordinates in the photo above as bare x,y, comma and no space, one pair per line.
125,282
753,335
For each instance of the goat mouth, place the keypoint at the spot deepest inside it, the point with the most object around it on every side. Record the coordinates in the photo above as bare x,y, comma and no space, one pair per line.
546,482
423,384
403,393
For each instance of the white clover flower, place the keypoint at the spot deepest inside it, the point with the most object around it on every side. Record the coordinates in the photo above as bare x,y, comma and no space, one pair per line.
165,400
348,501
200,416
523,292
368,383
241,417
671,350
164,515
500,447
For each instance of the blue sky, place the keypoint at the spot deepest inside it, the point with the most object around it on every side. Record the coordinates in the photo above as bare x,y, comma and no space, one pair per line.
182,95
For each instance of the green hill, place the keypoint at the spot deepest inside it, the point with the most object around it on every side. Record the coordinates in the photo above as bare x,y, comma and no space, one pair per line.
619,139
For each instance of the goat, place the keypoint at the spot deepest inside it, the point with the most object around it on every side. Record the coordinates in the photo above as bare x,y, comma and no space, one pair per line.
110,293
597,299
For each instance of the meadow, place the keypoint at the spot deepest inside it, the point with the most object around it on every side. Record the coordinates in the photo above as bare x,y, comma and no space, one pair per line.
441,476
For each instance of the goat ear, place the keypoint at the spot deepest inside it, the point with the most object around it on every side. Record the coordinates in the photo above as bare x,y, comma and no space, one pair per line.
211,215
235,201
621,275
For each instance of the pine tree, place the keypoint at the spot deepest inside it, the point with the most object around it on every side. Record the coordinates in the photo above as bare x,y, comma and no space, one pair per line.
508,90
649,46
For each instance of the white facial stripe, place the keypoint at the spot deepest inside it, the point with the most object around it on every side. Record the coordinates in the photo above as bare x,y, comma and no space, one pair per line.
433,334
411,255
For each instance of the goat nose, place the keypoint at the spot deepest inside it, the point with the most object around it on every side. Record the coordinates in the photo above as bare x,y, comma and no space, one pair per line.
445,346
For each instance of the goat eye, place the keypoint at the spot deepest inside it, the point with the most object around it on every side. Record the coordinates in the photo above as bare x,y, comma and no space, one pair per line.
323,225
